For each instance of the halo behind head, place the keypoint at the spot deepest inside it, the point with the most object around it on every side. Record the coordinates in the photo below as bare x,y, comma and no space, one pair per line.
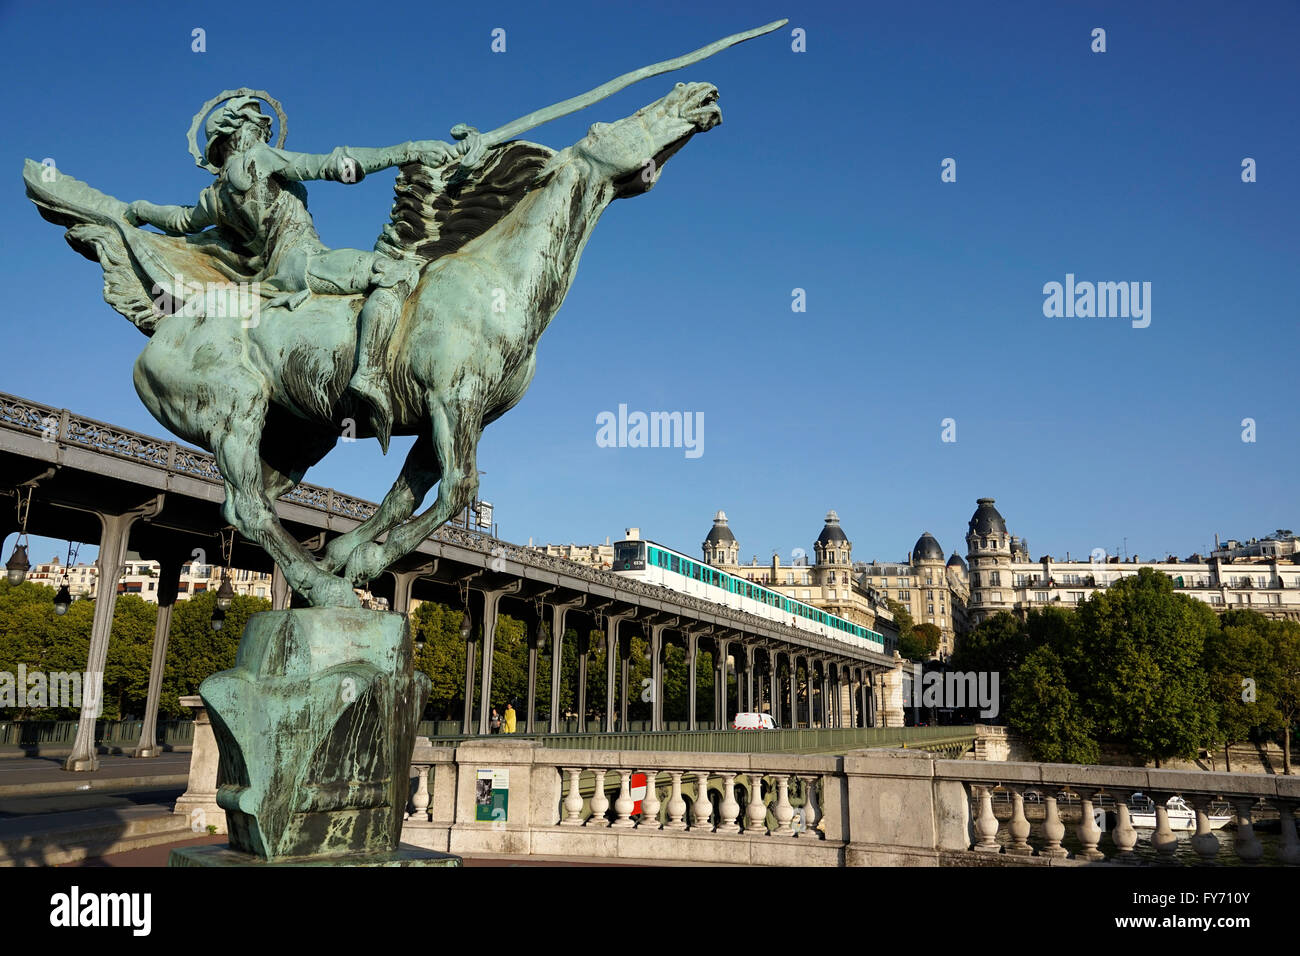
242,97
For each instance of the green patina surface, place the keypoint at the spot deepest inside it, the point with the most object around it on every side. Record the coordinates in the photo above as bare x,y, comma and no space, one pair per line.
315,725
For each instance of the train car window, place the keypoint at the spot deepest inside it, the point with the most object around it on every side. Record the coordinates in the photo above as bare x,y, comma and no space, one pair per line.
674,563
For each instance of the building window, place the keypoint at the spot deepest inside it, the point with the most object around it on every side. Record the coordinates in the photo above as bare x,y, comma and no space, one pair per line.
1040,595
904,596
995,579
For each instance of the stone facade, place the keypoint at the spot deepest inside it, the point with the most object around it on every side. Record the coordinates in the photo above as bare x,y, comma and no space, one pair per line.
1003,576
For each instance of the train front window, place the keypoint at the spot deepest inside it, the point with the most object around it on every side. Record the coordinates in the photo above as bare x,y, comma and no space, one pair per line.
629,556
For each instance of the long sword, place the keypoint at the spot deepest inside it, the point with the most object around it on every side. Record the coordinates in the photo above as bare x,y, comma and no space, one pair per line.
536,118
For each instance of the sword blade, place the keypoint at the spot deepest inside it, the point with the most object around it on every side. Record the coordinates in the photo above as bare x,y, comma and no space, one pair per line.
538,117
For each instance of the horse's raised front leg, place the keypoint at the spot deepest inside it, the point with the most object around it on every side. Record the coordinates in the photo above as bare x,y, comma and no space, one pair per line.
455,441
420,472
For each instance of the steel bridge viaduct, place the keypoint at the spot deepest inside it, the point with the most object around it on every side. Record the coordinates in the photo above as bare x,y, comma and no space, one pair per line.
94,482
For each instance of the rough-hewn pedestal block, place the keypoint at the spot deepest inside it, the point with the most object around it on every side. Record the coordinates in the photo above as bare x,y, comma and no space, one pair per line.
315,724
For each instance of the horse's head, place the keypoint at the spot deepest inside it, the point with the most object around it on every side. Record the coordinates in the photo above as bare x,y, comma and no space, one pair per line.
631,153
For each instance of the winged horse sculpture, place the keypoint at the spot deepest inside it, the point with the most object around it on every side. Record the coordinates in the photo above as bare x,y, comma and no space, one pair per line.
482,247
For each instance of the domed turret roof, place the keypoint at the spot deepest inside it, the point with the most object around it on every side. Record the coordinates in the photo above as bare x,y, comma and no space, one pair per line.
927,549
720,533
956,561
832,532
986,519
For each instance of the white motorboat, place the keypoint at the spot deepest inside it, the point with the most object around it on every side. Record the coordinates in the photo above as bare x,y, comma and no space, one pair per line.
1142,813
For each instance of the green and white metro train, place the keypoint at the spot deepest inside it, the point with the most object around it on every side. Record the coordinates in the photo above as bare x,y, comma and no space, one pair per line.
655,564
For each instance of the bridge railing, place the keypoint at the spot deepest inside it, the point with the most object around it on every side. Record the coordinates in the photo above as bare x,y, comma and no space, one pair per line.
862,807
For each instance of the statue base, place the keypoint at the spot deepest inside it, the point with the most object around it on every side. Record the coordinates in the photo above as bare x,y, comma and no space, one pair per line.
223,855
315,725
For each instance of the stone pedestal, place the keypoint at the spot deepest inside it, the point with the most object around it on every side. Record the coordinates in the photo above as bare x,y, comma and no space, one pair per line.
315,725
198,803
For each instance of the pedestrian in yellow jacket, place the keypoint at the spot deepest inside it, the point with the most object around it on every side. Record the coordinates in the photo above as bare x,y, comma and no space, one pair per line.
509,722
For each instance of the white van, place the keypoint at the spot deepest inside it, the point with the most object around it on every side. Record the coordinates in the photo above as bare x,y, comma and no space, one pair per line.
753,721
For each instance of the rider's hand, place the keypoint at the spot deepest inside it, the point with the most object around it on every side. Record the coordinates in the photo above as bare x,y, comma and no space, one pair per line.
471,149
432,152
132,213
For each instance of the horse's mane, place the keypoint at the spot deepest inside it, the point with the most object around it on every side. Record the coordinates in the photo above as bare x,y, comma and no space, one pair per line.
432,218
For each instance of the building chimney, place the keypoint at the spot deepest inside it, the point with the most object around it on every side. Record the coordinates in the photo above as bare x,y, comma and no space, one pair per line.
633,534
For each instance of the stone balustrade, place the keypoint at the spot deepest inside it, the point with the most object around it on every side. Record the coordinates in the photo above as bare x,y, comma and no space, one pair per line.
865,807
1110,789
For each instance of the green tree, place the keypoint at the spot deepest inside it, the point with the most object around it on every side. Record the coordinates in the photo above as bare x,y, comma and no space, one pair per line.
1046,711
195,651
1145,685
1242,678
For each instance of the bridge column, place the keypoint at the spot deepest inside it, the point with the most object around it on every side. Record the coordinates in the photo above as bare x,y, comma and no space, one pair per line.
625,675
471,646
535,638
114,531
279,590
749,679
657,660
740,684
774,676
558,614
169,580
837,713
403,584
584,649
611,658
828,719
491,605
722,646
692,659
794,690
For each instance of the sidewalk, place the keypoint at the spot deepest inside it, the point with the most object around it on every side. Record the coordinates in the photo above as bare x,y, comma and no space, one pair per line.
33,776
157,856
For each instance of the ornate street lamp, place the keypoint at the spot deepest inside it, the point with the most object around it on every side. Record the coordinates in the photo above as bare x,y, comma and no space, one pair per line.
17,566
225,593
63,600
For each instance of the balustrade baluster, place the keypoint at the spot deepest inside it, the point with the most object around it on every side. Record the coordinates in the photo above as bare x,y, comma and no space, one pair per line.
676,804
1163,839
811,811
986,824
1053,829
701,808
624,803
420,802
1249,849
573,800
783,811
650,802
756,817
1204,842
1089,832
599,802
1018,828
729,809
1290,850
1125,835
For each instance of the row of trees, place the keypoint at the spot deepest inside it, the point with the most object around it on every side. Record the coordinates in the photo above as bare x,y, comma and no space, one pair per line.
1143,668
33,635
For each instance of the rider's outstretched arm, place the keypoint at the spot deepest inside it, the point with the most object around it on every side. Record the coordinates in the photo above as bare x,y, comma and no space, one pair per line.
351,164
176,220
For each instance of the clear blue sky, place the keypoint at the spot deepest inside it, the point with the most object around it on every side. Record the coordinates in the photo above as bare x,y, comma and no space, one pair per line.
924,299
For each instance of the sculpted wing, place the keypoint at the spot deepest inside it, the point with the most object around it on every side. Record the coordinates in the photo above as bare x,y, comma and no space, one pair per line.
435,213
